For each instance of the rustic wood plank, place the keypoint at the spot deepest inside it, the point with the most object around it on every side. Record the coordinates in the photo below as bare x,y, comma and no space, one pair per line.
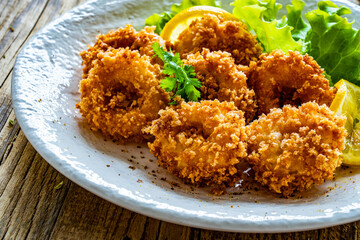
90,217
23,185
151,229
31,198
18,21
27,181
8,125
170,231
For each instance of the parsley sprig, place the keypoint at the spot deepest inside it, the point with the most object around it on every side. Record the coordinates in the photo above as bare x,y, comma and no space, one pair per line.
180,78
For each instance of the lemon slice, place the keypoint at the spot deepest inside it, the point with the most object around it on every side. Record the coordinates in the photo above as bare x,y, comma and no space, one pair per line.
347,102
183,19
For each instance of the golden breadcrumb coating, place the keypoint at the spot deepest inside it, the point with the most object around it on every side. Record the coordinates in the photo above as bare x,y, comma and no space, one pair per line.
280,79
215,33
200,142
121,94
291,149
222,79
121,38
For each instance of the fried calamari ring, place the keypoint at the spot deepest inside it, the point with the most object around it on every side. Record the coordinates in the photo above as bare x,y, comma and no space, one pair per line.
122,38
200,142
222,79
291,149
121,94
280,79
216,34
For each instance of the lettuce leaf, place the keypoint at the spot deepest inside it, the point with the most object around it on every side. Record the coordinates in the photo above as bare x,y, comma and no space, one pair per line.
269,7
159,20
329,38
185,4
295,20
333,42
260,16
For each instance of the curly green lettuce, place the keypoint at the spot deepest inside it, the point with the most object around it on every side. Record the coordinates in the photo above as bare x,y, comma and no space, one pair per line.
333,42
295,20
260,16
159,20
328,37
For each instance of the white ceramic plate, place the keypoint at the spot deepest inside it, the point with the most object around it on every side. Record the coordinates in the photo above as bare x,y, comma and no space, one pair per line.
45,91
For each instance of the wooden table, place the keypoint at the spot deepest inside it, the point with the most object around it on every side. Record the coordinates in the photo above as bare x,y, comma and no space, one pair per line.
31,206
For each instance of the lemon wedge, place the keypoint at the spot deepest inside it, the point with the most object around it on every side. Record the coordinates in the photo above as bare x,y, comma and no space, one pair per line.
347,102
182,20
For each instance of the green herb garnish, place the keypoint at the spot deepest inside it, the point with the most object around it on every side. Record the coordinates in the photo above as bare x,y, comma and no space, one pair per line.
57,187
180,78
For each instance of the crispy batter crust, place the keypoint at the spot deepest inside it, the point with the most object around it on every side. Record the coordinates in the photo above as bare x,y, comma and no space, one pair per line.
280,79
121,38
200,142
121,94
215,33
222,79
291,149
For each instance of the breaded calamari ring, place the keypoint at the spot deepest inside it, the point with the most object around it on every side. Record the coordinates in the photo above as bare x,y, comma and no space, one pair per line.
215,33
121,94
200,142
280,79
291,149
222,79
121,38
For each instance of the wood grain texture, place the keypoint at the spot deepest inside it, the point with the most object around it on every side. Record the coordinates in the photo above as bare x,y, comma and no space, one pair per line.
31,207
